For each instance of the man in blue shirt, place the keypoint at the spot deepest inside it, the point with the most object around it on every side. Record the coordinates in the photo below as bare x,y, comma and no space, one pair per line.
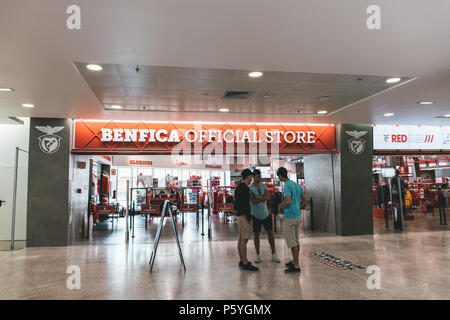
293,196
260,214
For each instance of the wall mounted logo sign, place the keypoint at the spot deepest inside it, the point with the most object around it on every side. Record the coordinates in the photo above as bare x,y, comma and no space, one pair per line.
49,142
356,145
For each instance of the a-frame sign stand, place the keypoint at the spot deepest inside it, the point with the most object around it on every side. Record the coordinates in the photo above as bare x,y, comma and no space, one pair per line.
158,235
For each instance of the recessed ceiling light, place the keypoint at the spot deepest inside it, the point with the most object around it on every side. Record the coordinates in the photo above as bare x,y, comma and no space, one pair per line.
266,96
390,114
6,89
322,112
255,74
27,105
224,110
94,67
425,102
393,80
116,106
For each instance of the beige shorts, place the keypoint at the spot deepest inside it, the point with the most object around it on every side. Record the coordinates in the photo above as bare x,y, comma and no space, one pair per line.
244,227
291,231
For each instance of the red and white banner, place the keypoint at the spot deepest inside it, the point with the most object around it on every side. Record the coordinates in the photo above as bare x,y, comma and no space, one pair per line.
386,137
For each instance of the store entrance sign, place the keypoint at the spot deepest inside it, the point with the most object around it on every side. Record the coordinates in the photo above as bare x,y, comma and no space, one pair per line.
387,137
142,137
227,136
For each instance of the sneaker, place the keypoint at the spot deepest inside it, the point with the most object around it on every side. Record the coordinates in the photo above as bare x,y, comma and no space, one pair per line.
241,264
258,258
290,263
275,258
249,267
292,269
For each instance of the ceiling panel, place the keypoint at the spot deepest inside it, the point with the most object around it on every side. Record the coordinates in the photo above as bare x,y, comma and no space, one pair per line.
140,80
133,69
160,88
212,84
103,80
108,91
215,74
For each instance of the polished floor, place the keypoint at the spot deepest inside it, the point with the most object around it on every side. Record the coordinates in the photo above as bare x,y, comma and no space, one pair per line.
414,265
422,222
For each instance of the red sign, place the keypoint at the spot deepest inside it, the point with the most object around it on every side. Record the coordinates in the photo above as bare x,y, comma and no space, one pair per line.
211,166
141,137
403,138
141,163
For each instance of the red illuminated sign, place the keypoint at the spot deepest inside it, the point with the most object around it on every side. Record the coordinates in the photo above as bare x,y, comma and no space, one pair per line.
403,138
141,137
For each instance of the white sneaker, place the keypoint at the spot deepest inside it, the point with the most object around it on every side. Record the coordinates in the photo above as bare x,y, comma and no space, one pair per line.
258,258
275,258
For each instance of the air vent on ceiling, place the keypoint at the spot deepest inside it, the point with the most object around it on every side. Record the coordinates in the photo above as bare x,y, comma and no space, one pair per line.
237,94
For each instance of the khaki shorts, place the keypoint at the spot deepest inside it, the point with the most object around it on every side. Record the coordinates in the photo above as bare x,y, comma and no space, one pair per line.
291,231
245,228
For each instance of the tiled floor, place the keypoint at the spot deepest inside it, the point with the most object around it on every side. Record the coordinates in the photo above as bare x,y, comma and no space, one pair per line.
414,265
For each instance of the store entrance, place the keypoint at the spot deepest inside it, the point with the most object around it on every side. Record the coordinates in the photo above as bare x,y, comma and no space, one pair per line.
201,195
410,193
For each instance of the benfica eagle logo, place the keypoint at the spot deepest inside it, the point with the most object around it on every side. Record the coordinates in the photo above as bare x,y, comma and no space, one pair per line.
356,145
49,142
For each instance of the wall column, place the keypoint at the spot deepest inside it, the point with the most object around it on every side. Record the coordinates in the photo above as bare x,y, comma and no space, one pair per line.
341,184
48,183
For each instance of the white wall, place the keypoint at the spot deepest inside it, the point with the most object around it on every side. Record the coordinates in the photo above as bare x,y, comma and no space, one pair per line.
12,136
79,179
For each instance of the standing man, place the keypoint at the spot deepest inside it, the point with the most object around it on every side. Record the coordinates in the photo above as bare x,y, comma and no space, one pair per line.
260,214
242,200
293,192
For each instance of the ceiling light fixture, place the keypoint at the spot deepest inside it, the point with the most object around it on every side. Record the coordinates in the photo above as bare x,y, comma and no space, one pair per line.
266,96
393,80
224,110
389,114
425,102
255,74
27,105
447,116
116,106
94,67
322,112
6,89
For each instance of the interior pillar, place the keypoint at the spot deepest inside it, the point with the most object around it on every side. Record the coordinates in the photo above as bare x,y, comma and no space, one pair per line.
341,184
48,183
